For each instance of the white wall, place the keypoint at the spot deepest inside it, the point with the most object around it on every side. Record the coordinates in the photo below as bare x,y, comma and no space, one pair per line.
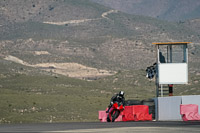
169,107
192,99
173,73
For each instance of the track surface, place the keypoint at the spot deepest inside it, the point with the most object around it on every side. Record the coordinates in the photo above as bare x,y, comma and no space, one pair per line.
97,127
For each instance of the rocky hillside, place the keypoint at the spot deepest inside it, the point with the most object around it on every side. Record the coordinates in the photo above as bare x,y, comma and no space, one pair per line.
48,46
48,10
84,32
171,10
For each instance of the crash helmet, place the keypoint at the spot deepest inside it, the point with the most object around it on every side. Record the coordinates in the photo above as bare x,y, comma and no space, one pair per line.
121,93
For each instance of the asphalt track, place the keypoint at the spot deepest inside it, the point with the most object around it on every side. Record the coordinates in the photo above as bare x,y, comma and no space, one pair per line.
98,127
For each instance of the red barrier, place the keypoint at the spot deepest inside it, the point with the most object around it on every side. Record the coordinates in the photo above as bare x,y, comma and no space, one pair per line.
141,113
103,116
189,112
130,113
136,113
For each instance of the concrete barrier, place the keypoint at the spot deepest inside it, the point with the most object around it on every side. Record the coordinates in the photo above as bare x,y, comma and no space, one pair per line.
168,108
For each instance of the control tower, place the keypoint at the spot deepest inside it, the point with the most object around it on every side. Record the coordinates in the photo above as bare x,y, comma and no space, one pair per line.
172,65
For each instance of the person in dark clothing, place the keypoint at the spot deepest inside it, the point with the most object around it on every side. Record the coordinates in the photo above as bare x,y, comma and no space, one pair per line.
117,98
162,58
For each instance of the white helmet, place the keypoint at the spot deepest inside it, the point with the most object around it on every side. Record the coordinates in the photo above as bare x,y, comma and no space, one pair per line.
121,93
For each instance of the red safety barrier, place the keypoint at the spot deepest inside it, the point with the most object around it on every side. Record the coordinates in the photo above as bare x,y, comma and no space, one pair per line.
103,116
141,113
189,112
130,113
136,113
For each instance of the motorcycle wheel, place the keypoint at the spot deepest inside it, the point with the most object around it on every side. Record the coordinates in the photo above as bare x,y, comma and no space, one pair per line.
115,115
108,119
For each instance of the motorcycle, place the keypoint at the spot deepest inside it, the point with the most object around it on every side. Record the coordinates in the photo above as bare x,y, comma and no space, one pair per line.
114,111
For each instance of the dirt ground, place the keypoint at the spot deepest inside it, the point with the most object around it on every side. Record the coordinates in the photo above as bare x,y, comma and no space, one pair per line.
72,69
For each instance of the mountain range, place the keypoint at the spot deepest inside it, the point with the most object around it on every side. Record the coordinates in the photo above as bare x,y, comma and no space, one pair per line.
170,10
87,33
62,60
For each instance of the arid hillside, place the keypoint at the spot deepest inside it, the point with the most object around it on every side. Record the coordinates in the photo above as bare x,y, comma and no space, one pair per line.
86,33
62,60
170,10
